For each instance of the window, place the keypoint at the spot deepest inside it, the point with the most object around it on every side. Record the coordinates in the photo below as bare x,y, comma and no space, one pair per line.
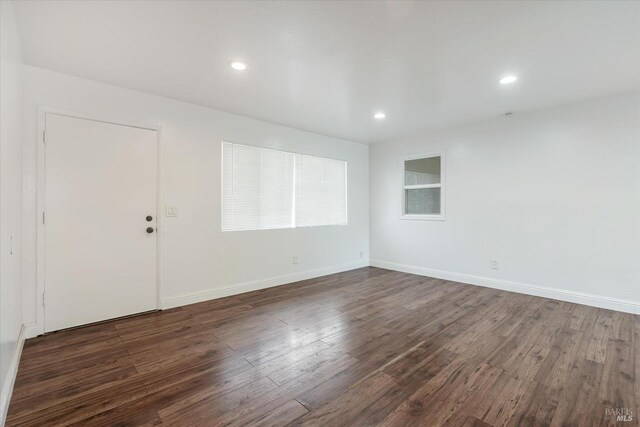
423,187
266,189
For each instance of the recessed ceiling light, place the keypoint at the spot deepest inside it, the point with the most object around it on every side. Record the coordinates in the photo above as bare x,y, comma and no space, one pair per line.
379,115
508,79
238,65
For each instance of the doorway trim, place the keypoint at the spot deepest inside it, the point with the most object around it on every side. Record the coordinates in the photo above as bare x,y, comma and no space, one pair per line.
40,184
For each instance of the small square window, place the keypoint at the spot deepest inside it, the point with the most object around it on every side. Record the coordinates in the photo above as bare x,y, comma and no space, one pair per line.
422,201
423,187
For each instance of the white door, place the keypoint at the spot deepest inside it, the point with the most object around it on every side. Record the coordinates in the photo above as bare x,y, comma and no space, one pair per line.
100,221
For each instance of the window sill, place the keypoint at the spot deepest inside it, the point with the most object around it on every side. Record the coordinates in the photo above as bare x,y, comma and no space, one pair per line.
422,217
283,228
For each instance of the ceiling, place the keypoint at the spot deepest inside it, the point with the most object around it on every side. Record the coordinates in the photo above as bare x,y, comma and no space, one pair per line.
328,66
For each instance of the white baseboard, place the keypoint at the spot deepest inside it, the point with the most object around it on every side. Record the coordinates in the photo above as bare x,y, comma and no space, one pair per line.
7,388
31,330
627,306
194,297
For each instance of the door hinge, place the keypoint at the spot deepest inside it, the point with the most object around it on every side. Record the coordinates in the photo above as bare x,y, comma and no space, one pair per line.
44,136
43,304
43,217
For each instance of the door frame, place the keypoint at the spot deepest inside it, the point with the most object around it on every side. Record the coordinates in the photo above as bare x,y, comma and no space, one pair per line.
42,112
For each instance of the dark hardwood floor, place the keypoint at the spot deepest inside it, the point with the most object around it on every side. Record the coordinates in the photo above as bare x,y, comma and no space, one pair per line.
364,347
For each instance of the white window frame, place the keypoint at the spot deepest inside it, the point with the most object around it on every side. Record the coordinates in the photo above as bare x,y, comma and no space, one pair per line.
441,215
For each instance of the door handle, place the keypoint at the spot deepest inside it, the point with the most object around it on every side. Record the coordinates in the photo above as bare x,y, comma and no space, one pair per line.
149,230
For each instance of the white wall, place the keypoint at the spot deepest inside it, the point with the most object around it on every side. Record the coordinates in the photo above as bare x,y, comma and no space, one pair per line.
10,199
553,195
198,260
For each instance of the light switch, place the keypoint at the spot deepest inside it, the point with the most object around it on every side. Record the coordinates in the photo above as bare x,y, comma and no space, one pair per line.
171,211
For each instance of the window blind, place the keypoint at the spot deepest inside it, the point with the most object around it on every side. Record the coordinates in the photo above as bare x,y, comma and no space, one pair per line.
266,189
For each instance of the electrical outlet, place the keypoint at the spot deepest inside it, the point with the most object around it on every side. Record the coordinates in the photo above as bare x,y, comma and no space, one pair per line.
494,264
295,259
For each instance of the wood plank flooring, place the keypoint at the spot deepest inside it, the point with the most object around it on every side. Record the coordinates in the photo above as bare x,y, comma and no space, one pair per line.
360,348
